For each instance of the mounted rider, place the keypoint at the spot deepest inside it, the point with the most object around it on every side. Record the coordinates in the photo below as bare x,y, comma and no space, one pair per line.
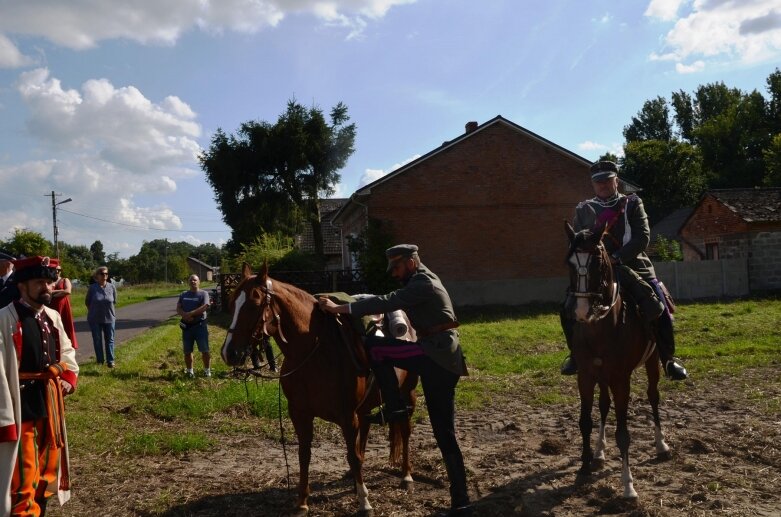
626,238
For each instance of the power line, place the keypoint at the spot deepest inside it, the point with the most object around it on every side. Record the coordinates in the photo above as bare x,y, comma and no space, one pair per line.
138,226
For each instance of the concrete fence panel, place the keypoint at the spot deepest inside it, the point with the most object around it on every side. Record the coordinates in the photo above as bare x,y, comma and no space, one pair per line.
705,278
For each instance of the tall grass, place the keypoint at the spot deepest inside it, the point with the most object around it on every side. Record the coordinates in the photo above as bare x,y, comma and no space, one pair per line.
147,406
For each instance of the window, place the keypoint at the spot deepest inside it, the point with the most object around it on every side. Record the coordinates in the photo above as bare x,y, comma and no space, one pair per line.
712,251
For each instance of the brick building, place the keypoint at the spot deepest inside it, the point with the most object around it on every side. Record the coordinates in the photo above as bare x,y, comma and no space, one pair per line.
738,223
487,210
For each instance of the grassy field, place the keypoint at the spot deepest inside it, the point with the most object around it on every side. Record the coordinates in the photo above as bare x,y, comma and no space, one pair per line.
131,294
148,407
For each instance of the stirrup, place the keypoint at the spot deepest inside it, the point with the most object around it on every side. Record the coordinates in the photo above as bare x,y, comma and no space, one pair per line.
675,371
385,416
569,367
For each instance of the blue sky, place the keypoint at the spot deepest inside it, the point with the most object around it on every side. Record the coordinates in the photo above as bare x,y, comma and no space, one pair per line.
109,103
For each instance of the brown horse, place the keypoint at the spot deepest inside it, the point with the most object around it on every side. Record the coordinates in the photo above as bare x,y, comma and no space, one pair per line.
321,376
609,341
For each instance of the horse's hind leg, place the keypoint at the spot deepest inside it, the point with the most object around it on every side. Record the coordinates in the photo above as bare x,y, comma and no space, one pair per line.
304,428
586,388
621,398
355,459
652,368
604,408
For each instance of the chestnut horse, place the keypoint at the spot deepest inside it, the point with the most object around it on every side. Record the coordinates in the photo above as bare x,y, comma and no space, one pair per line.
321,376
609,341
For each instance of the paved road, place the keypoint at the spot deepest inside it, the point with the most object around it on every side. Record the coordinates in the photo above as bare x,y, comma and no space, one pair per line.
131,321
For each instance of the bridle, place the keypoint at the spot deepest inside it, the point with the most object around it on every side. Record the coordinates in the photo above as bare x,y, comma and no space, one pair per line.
595,298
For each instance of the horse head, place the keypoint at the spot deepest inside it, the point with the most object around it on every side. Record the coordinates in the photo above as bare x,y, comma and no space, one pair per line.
591,275
254,316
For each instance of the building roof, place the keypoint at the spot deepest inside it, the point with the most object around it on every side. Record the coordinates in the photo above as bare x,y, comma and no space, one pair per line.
671,225
471,131
751,204
201,263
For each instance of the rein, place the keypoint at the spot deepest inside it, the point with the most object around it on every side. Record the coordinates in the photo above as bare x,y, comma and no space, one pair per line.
600,311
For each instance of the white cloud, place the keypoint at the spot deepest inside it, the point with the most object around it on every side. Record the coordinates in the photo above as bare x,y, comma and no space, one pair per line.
81,24
697,66
744,31
370,175
663,9
10,57
588,145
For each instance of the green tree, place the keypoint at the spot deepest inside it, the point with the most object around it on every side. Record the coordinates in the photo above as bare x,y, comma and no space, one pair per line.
684,114
651,123
98,255
269,178
774,104
76,261
667,250
28,243
610,157
773,163
669,172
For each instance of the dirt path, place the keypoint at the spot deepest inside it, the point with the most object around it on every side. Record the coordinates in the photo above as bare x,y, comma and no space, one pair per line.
522,460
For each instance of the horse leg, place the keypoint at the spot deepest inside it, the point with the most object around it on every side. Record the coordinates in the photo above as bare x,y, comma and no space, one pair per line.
586,388
604,408
652,368
355,459
621,398
303,424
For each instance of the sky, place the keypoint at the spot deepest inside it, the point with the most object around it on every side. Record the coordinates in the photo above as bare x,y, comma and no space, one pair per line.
110,103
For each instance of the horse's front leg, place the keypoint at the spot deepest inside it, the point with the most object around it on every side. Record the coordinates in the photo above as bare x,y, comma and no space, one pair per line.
586,388
355,459
621,398
604,408
652,368
303,424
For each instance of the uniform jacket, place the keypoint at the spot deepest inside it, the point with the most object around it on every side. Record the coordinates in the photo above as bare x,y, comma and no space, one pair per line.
428,306
629,234
10,411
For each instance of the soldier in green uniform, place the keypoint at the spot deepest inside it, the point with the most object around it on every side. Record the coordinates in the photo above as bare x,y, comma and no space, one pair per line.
626,238
436,357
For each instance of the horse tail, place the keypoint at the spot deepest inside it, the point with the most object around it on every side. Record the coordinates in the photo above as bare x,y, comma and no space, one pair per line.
395,437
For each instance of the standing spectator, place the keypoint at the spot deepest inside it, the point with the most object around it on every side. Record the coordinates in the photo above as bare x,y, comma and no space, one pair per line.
37,367
61,302
192,307
8,290
101,303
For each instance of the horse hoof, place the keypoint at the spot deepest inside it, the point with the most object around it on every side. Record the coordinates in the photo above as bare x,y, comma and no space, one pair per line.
597,464
584,472
366,513
664,456
408,485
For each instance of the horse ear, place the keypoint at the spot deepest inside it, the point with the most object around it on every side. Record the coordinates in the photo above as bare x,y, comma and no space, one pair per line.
570,231
264,269
246,271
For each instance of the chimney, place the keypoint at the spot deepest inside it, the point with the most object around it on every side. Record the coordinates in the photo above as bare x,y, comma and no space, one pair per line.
470,126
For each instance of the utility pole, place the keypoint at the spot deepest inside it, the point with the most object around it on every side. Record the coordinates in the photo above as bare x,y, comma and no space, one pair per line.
166,261
54,220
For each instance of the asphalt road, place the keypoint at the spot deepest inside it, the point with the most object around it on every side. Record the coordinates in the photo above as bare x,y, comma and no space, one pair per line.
131,321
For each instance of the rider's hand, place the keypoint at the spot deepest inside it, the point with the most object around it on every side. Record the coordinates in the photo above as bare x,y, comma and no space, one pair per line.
326,304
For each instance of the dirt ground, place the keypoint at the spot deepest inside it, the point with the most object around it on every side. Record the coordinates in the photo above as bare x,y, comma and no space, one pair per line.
725,436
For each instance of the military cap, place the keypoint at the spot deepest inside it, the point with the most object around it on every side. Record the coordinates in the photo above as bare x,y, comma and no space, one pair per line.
35,267
399,252
603,170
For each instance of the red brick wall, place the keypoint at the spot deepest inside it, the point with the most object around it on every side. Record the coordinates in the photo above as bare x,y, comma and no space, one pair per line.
713,222
492,207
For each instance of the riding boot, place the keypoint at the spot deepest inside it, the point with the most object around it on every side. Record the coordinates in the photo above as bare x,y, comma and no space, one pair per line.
394,408
272,364
568,367
42,504
665,342
254,355
642,292
456,474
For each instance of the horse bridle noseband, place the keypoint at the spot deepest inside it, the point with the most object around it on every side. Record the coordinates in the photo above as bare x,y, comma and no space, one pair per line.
596,297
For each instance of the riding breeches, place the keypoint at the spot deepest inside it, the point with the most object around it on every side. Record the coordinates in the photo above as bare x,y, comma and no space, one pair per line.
439,384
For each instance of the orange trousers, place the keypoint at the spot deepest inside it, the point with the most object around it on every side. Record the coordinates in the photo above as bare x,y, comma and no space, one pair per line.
35,472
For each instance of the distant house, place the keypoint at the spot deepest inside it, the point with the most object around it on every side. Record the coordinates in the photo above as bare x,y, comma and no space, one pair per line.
669,227
487,209
204,271
332,235
738,223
